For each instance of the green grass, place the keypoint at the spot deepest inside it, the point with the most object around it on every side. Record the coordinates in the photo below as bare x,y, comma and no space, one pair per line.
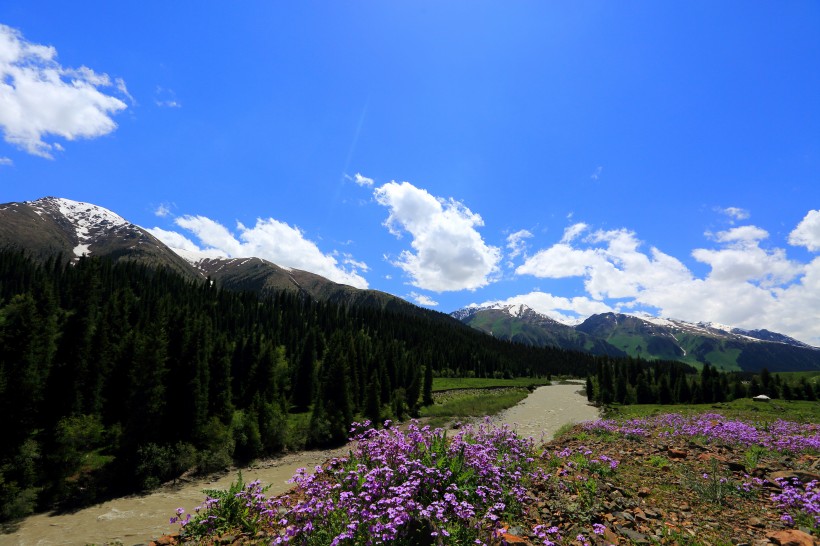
746,408
450,383
469,405
812,377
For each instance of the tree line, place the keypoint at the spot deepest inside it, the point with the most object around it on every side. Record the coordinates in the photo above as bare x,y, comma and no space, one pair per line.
634,381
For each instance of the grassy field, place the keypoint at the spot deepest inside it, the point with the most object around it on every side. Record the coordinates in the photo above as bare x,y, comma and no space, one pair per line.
472,403
797,410
812,377
449,383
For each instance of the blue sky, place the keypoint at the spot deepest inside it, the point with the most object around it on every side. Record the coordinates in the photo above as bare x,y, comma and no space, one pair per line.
579,157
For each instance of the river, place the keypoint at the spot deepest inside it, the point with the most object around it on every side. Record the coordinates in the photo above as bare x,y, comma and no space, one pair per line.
137,519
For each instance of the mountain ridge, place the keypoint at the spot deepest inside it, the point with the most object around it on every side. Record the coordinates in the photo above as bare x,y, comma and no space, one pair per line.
653,338
53,226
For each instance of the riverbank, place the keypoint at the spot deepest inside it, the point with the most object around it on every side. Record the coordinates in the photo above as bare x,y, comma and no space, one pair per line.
137,519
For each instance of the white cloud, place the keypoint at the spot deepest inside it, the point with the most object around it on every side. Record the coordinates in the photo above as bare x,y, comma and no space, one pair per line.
740,236
177,241
448,252
163,210
39,97
6,161
421,299
360,179
566,310
735,213
270,239
573,231
807,232
517,244
747,285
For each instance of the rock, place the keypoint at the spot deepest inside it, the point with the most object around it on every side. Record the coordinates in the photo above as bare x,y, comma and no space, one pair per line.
625,515
710,456
508,538
756,522
788,475
791,537
610,537
634,536
615,494
677,453
644,492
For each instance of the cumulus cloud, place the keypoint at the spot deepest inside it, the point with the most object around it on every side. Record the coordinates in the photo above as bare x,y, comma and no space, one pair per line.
177,241
270,239
421,299
41,98
807,232
448,253
747,285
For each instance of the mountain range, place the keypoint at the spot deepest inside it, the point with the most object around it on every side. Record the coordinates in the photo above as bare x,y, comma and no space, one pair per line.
647,337
52,227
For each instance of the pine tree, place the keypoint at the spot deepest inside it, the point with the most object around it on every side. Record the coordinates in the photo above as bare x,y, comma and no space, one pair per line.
427,391
373,404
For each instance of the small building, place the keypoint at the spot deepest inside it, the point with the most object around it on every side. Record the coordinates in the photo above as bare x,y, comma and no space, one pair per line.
761,398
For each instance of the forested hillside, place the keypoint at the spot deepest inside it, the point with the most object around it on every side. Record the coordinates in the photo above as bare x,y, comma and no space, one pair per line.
117,376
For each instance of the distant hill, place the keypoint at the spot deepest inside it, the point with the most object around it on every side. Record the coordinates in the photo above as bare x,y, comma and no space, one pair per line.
722,347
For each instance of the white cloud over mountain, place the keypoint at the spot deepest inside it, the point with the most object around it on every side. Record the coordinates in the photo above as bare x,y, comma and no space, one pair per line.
448,253
39,97
567,310
270,239
747,285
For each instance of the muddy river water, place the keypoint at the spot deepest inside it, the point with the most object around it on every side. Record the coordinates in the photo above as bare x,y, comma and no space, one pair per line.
139,518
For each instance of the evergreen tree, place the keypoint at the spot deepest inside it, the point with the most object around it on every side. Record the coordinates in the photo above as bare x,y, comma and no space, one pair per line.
427,392
373,404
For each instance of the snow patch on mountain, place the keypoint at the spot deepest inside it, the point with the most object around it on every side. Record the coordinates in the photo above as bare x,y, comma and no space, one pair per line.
89,221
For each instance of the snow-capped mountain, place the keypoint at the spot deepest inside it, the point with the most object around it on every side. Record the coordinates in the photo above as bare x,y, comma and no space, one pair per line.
53,226
518,322
648,337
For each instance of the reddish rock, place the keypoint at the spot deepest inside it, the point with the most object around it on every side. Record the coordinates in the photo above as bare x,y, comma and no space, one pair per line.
710,456
677,453
791,537
644,492
507,538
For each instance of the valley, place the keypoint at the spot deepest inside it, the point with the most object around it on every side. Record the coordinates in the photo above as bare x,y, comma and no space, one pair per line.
136,519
